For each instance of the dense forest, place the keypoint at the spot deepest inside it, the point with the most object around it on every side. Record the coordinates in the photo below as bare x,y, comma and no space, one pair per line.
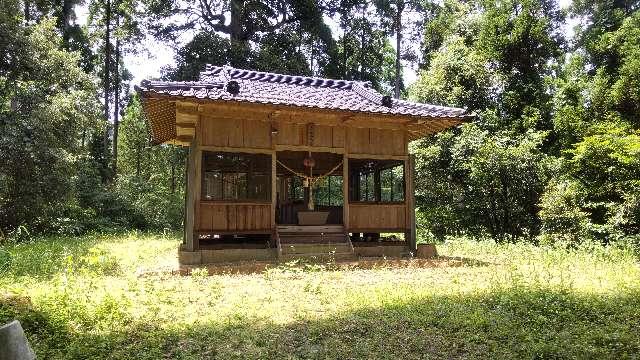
553,154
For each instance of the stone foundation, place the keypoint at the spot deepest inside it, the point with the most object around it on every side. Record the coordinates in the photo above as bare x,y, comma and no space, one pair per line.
225,256
390,251
426,251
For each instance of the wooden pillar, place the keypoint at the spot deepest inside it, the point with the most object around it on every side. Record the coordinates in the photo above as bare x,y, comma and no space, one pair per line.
274,190
190,200
377,188
345,191
410,234
197,195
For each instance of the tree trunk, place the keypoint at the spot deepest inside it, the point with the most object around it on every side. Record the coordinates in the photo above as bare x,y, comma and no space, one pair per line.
107,57
362,40
67,9
107,70
344,53
27,11
343,26
236,34
398,23
116,104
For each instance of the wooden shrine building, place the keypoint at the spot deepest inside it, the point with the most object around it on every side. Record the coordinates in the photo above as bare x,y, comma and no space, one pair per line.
283,166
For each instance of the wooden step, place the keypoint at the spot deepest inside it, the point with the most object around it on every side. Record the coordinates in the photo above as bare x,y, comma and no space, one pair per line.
288,238
316,248
309,229
318,257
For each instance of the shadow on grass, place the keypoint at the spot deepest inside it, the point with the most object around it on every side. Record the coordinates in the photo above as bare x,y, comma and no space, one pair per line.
518,323
256,267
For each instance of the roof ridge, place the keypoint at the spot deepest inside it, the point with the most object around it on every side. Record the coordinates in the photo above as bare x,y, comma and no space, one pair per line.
256,75
367,93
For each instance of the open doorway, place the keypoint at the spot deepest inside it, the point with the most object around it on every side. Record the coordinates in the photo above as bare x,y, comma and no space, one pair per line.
309,183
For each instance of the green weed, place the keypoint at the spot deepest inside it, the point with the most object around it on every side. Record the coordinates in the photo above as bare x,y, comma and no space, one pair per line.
84,298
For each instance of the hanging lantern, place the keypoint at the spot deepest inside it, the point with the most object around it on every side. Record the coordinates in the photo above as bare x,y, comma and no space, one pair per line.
309,162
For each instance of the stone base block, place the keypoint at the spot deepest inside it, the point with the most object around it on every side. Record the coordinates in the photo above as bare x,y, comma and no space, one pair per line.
14,344
426,251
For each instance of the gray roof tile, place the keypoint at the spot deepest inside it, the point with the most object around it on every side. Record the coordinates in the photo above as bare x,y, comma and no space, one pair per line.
300,91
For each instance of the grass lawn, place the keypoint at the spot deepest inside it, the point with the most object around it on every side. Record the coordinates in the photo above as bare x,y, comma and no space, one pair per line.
93,297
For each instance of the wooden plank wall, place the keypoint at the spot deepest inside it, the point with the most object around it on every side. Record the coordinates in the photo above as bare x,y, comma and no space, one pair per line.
235,133
234,217
323,135
377,216
256,134
376,141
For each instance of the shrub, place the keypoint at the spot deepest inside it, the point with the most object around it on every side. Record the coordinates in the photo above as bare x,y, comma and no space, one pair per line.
626,216
480,182
560,213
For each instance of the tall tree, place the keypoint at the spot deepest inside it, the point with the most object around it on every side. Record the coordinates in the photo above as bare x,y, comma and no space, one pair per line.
44,105
364,51
115,25
401,18
598,19
494,59
522,40
244,22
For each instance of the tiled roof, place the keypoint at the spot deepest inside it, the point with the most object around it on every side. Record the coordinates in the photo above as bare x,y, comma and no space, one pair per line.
216,83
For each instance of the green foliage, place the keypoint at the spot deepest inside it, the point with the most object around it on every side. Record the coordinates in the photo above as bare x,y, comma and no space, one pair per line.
506,61
5,261
46,104
207,48
573,88
495,61
561,214
447,21
283,37
457,76
478,182
151,179
607,164
276,47
600,19
521,38
191,59
506,177
364,52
